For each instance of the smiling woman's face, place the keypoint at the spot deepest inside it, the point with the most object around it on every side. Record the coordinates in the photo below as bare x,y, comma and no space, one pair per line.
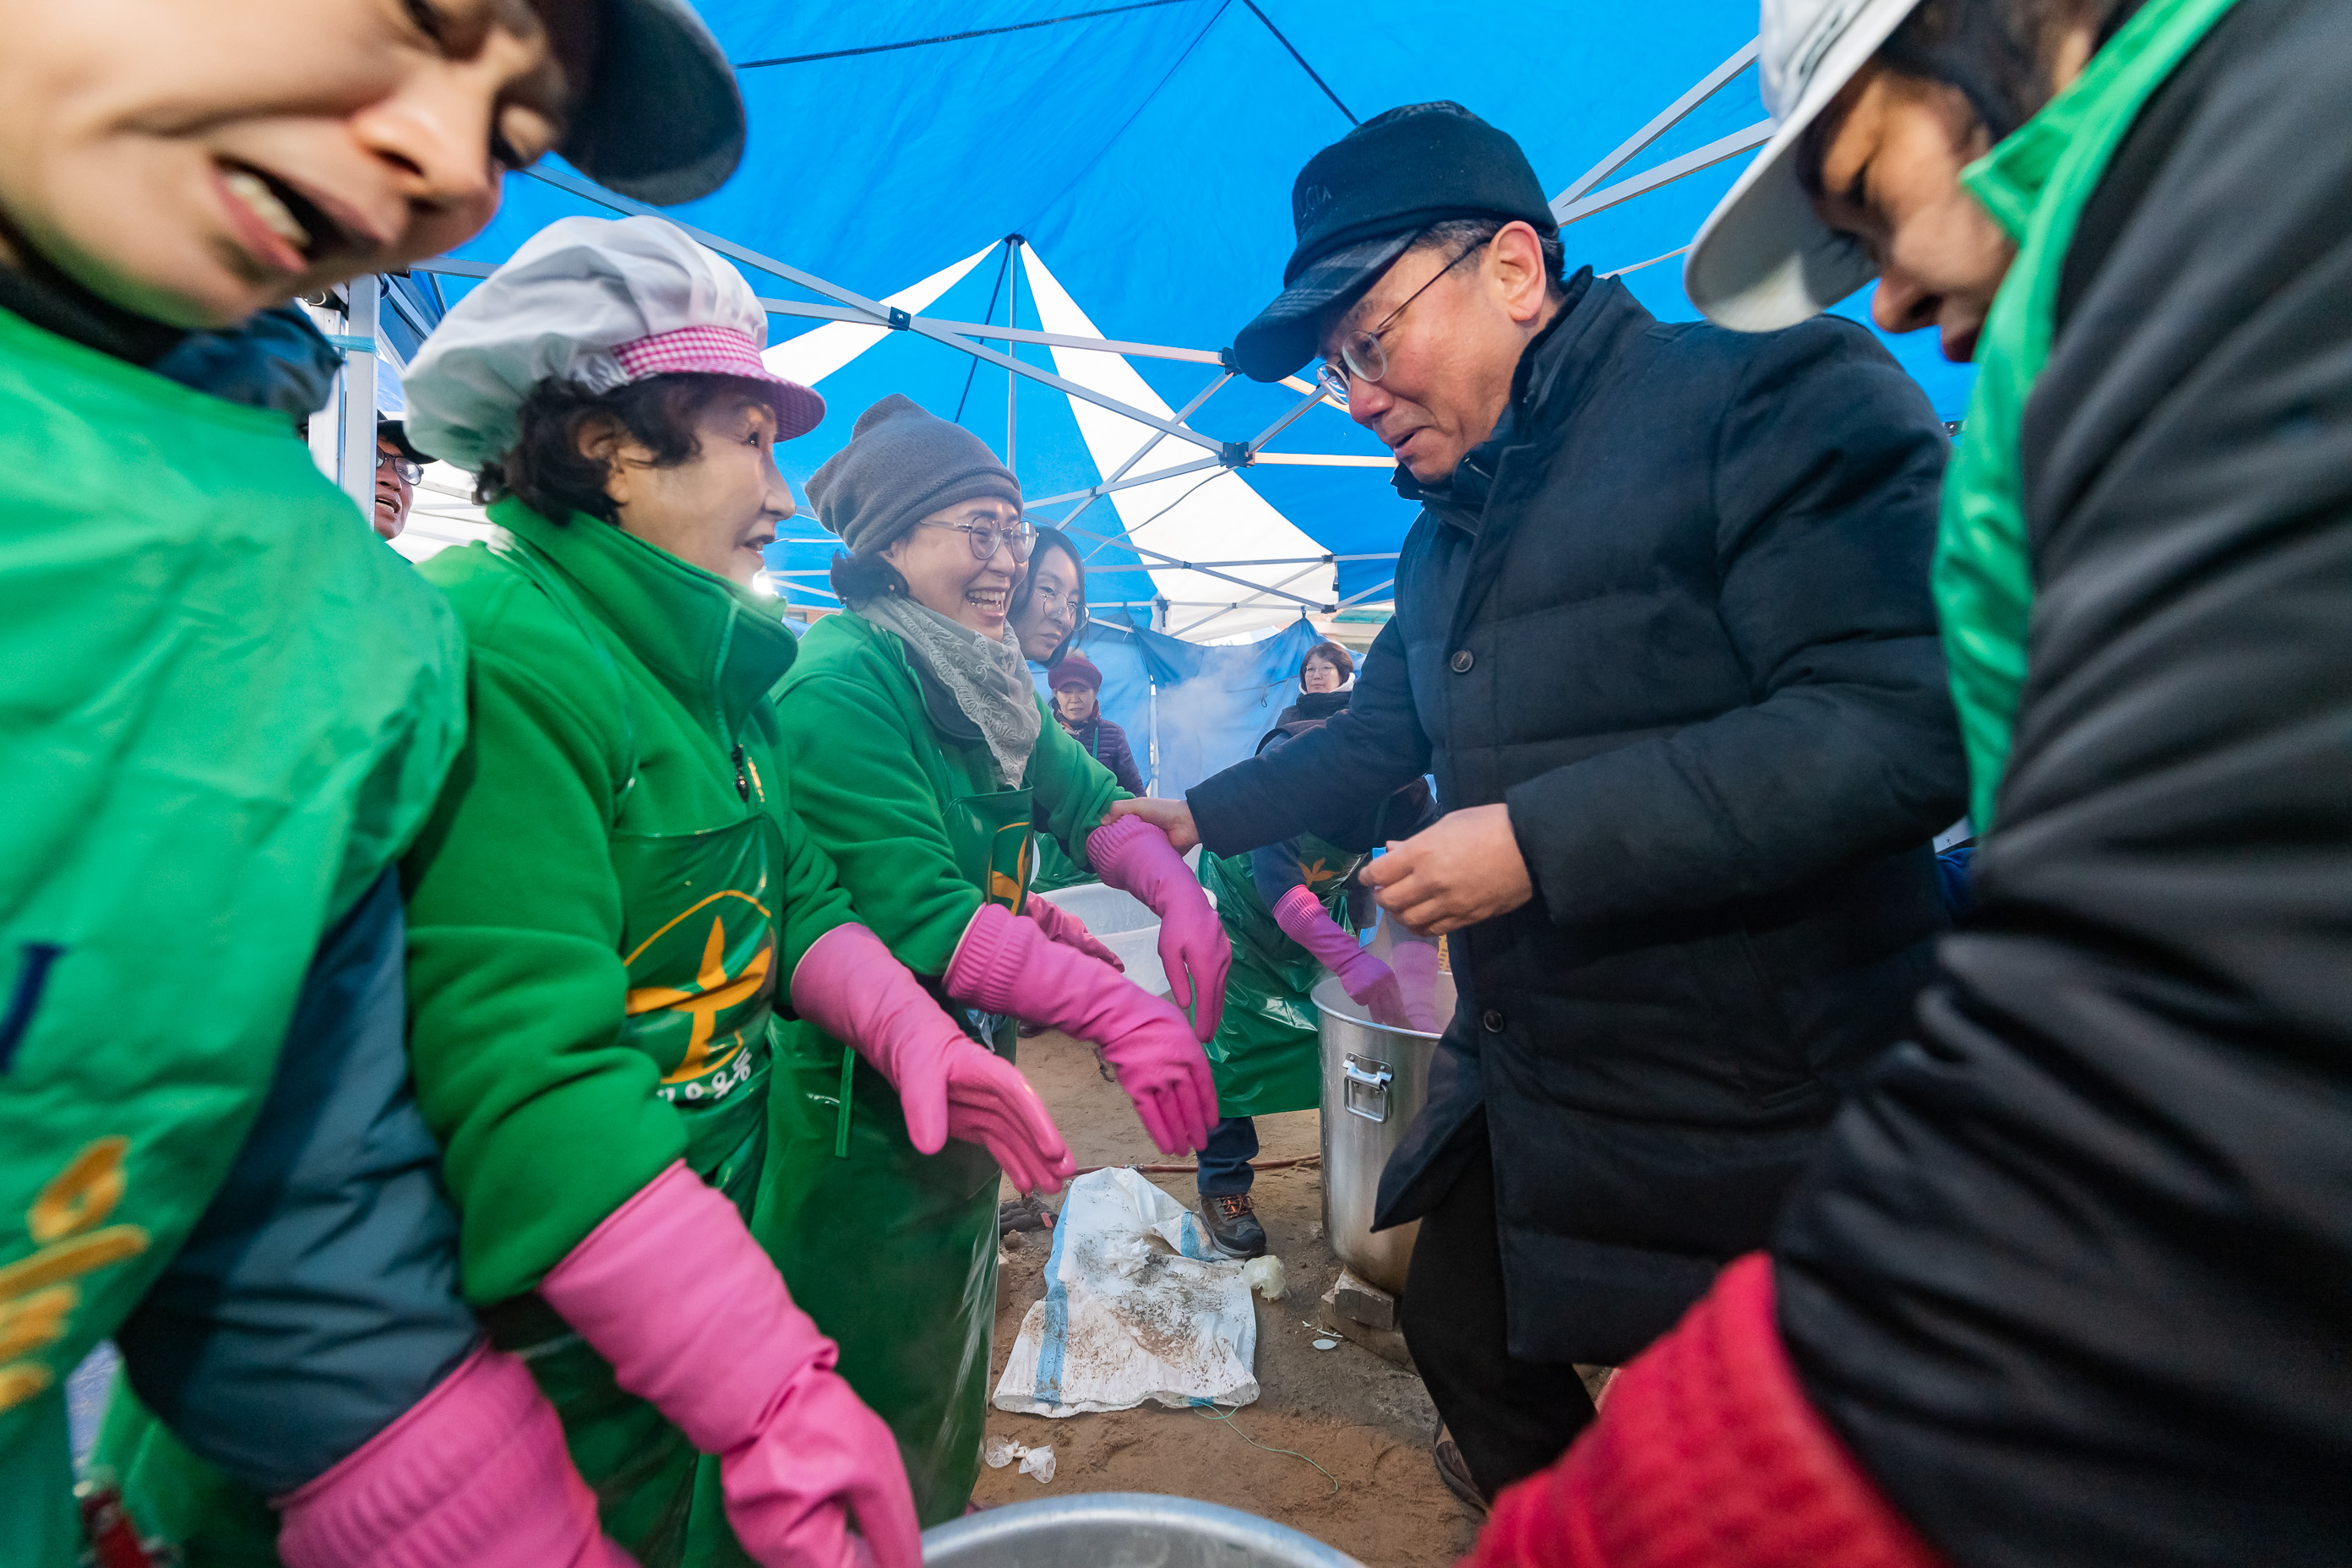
719,510
197,162
942,574
1055,589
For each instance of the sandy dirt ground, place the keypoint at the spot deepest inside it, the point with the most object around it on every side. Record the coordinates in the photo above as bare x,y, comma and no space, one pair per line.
1365,1420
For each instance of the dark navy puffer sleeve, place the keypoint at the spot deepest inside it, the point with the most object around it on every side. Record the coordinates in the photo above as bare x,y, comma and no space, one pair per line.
316,1298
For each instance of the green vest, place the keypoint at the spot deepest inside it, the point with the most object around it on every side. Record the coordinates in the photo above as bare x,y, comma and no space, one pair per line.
1267,1054
225,710
2035,185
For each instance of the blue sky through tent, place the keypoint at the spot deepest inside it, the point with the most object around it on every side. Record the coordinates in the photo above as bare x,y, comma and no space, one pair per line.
1147,154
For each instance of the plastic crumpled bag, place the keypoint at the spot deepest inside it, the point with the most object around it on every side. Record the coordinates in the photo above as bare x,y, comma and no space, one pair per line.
1002,1451
1137,1306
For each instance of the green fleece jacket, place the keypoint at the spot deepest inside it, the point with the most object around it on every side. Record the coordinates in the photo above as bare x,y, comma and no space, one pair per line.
517,982
857,729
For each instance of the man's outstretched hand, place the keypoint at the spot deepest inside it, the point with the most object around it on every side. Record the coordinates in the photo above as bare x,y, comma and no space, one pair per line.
1172,817
1463,868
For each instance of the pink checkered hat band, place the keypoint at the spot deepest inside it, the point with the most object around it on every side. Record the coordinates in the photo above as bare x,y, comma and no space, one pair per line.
722,350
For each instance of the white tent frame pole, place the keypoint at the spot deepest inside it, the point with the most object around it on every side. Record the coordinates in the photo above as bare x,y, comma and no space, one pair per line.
1174,564
1094,493
450,266
1665,173
1665,120
357,475
1285,423
1011,383
1272,590
878,312
1274,561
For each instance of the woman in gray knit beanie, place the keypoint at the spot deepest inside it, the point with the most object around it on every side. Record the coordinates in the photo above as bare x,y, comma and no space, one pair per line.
920,760
937,545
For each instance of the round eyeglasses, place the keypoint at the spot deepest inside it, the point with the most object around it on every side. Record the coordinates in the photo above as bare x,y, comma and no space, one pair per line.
408,468
1360,353
986,537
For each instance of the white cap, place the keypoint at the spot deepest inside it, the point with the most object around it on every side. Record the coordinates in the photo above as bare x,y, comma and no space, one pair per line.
602,302
1763,259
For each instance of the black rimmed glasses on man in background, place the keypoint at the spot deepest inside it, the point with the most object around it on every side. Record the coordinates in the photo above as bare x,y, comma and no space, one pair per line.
986,537
1360,353
408,468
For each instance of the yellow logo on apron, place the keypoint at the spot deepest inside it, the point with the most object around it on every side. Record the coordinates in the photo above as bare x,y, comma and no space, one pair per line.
36,1296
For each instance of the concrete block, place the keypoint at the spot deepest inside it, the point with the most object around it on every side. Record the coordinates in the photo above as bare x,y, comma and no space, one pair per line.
1366,1302
1387,1343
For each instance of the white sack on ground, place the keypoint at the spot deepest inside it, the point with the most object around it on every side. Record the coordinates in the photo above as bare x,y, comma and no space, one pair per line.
1137,1306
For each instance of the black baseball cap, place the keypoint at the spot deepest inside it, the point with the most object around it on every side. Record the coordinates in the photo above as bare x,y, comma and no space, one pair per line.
396,432
662,120
1361,201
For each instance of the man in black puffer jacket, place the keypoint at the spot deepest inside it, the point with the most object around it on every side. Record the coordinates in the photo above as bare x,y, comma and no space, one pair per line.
1663,635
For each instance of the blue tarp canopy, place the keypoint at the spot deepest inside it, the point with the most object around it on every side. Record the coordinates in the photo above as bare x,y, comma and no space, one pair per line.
1144,153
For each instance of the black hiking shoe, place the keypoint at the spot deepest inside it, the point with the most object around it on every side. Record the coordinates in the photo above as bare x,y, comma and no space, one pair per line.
1233,1226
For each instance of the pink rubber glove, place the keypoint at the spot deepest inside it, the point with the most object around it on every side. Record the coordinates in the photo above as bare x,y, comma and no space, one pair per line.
950,1086
1006,964
1136,857
1068,930
1415,964
1366,979
475,1472
675,1293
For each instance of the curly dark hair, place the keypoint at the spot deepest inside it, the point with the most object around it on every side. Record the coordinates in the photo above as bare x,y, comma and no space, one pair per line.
546,470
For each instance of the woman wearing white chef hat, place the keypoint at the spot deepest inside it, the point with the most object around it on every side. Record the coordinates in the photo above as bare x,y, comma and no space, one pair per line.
614,888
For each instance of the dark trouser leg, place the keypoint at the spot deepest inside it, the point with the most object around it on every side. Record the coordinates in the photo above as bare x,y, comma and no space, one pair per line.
1225,1164
1509,1417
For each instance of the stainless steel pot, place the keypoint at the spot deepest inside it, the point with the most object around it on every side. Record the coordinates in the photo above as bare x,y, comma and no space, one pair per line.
1122,1529
1375,1079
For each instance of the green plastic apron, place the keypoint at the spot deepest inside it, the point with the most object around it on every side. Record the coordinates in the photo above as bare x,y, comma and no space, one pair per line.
1267,1055
699,939
893,1252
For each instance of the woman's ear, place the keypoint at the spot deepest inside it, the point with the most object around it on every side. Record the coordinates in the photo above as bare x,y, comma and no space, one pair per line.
599,442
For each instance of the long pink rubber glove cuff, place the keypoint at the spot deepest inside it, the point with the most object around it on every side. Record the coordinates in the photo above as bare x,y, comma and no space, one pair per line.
1006,964
1136,857
949,1085
475,1472
1365,978
675,1293
1068,930
1415,964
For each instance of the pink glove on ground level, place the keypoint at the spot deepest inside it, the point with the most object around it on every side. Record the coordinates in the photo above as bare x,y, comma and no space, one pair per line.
1365,978
1136,857
1068,930
675,1293
1415,964
1006,964
950,1086
475,1472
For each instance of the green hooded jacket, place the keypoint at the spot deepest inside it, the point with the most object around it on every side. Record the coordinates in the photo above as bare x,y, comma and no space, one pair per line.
638,709
225,711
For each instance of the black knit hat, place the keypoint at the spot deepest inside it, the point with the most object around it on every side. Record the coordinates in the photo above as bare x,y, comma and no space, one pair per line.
1362,200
